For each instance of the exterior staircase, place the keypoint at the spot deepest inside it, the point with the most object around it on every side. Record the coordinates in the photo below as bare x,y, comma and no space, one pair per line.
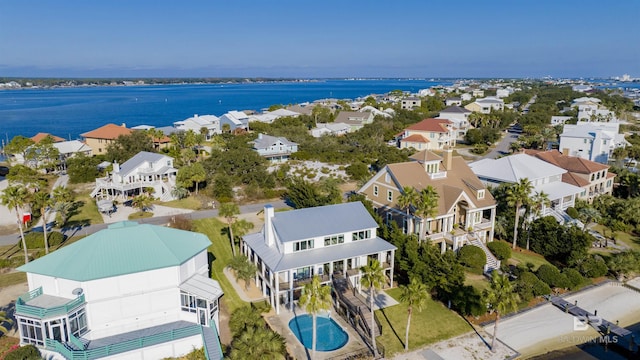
211,343
356,305
492,262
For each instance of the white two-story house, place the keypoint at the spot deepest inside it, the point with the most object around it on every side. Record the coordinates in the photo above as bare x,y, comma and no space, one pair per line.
276,149
328,241
131,291
143,170
544,177
593,141
197,123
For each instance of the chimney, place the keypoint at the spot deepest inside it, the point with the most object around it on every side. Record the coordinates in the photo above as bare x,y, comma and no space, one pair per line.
268,225
116,167
124,125
447,159
260,136
565,151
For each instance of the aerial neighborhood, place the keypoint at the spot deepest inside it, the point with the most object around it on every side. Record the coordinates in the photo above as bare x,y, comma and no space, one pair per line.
332,229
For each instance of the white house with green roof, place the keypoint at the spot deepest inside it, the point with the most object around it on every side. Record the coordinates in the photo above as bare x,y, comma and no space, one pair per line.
131,291
328,241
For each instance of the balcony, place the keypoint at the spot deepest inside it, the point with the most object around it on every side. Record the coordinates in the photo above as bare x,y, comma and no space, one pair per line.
36,304
302,282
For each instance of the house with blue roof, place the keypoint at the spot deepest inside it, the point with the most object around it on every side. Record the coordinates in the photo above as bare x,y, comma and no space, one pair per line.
131,291
328,241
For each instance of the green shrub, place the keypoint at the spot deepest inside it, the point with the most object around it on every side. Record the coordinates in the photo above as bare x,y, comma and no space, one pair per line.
574,277
27,352
500,249
552,276
35,239
472,257
540,288
467,300
571,211
594,266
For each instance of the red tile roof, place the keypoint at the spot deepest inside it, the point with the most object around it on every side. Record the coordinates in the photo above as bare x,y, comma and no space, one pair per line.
415,138
431,125
569,163
109,131
571,178
40,136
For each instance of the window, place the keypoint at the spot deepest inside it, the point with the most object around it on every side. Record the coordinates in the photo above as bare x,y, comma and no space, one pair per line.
303,245
593,176
31,331
78,322
190,302
608,183
585,141
481,194
477,217
375,190
365,234
333,240
389,195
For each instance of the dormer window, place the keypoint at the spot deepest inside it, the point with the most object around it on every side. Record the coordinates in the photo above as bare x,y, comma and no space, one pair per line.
480,194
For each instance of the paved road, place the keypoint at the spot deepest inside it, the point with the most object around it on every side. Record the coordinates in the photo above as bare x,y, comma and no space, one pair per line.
503,146
159,220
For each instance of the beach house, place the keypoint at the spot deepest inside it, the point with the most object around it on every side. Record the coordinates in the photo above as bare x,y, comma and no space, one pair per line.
543,176
143,170
465,210
130,291
98,139
275,149
429,134
328,241
593,141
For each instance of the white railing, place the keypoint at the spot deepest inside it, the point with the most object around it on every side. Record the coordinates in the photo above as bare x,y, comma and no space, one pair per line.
438,175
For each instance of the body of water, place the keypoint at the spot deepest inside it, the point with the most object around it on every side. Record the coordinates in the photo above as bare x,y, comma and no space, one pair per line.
595,350
69,112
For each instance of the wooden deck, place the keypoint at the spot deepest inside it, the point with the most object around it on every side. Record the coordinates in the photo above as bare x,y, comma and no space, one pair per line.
354,301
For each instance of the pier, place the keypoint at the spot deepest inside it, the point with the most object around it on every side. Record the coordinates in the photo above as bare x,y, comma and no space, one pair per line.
624,338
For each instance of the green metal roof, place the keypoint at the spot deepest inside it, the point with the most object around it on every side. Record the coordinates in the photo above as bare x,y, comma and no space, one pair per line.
123,248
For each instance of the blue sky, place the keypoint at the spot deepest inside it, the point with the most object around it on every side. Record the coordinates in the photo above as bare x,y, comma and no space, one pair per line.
328,38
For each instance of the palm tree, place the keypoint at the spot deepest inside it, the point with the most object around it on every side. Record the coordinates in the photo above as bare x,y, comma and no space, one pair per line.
427,206
44,202
589,215
258,343
4,319
15,197
314,298
539,201
414,294
500,298
229,212
518,195
372,278
141,202
408,198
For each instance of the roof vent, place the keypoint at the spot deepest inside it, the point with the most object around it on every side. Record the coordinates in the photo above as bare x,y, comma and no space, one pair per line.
77,291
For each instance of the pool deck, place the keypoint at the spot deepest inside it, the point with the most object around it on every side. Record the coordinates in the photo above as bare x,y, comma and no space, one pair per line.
280,323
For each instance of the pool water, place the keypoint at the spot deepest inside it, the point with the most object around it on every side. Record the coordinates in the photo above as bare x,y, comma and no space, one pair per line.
330,335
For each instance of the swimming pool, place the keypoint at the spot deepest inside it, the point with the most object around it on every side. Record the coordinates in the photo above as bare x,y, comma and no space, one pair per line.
330,335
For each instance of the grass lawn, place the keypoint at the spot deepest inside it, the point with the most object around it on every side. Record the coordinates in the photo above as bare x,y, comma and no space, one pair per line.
12,278
220,250
479,282
190,202
435,323
88,213
523,257
140,215
631,241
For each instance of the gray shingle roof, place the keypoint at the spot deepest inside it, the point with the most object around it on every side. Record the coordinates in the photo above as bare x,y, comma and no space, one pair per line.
139,159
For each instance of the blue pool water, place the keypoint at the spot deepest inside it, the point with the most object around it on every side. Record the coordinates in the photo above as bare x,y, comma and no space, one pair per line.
330,335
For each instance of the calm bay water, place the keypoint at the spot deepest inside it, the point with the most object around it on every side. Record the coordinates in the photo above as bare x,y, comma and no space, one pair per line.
593,351
68,112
